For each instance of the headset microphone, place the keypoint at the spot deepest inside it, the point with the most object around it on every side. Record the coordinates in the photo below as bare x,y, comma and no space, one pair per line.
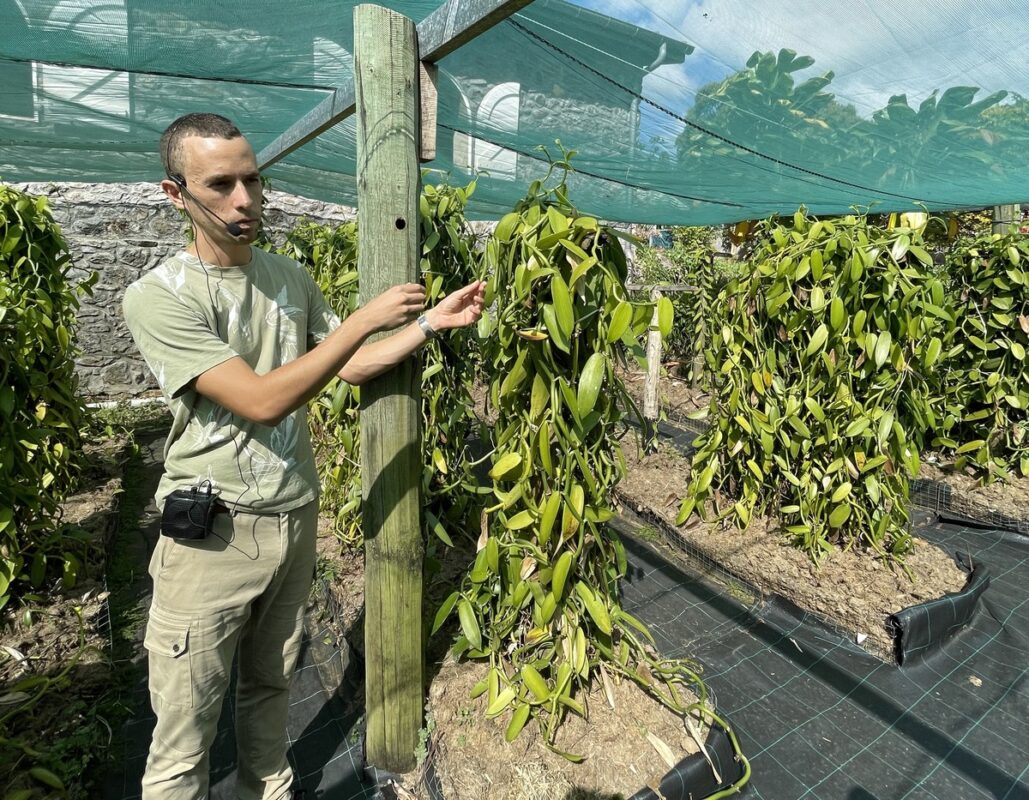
232,228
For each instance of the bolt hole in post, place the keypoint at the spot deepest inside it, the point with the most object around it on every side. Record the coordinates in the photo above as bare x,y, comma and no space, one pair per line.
401,223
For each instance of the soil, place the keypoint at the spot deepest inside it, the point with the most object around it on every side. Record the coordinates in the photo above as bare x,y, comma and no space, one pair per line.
45,631
474,762
852,590
64,634
486,413
676,398
342,572
470,755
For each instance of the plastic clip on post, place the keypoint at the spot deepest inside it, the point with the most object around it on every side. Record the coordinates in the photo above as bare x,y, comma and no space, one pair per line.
188,513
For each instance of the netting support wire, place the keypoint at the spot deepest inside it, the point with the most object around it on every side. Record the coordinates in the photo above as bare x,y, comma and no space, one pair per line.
115,68
718,136
507,145
453,24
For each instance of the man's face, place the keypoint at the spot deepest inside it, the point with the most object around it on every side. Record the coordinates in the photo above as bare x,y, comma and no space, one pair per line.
222,174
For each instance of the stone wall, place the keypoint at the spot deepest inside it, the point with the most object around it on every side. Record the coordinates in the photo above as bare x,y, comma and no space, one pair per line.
121,231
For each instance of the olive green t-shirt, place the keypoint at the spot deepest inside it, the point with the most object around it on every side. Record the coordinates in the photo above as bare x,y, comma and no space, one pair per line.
187,317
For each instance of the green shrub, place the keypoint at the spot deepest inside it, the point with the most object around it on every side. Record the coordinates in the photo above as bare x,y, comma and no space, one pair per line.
986,380
822,359
39,407
330,255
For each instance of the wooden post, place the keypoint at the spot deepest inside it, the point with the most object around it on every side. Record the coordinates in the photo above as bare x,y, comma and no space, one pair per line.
697,367
386,75
1004,217
653,379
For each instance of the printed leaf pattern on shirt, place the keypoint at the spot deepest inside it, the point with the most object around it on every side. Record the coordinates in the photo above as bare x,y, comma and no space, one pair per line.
279,317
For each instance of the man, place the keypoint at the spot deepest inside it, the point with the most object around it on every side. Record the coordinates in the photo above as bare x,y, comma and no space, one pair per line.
239,340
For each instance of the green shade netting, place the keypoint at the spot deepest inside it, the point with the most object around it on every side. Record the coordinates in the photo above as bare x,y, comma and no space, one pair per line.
686,113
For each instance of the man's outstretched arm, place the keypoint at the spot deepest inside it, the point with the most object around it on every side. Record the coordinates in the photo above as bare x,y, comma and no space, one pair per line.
267,399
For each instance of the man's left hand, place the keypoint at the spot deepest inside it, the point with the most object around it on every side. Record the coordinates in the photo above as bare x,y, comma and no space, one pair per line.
459,309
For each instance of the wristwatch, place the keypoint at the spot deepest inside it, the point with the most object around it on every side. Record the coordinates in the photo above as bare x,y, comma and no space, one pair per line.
427,329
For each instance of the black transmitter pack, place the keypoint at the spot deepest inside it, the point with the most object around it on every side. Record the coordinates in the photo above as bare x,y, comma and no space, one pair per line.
189,513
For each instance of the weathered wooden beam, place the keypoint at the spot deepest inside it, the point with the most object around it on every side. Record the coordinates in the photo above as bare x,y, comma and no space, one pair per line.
1004,217
453,24
428,101
650,383
457,22
388,176
335,108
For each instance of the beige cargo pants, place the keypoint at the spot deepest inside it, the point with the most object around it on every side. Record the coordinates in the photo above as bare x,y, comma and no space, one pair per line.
243,588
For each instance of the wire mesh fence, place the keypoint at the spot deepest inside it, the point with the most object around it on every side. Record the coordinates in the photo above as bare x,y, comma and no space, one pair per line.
942,498
925,493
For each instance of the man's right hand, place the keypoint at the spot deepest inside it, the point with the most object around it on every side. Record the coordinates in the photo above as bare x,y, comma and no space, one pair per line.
396,306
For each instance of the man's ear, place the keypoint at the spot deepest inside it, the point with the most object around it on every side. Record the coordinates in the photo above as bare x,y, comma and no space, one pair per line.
174,192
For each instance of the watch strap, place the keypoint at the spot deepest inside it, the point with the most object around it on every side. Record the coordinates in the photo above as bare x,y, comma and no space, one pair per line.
427,329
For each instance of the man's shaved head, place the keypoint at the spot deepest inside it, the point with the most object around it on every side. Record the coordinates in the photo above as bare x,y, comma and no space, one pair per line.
209,126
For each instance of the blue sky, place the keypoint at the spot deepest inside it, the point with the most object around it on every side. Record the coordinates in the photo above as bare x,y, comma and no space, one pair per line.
876,48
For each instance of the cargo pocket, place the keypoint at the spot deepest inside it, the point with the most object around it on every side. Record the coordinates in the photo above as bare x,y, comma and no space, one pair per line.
167,641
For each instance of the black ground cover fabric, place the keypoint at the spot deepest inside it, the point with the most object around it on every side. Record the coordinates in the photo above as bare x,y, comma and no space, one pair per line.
917,630
818,717
692,777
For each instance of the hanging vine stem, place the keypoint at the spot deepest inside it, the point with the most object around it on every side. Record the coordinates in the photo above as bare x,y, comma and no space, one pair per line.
736,787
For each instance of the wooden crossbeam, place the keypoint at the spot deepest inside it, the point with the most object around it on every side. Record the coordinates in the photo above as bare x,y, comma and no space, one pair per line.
453,24
335,108
457,22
